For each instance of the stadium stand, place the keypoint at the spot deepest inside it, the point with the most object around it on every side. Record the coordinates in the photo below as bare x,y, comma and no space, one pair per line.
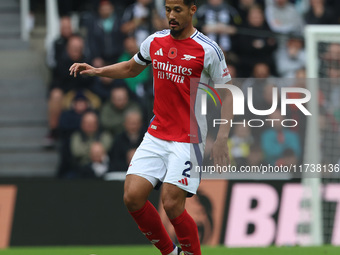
259,40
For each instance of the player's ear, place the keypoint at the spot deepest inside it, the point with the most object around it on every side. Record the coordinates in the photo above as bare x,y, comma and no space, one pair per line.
193,9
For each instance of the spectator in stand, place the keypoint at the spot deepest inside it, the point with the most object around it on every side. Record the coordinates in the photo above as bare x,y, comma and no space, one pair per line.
218,20
141,19
255,157
69,123
291,58
56,50
127,141
262,99
331,59
335,5
288,158
113,111
320,13
66,7
239,144
120,6
275,140
93,99
82,140
256,43
102,86
262,74
62,82
136,84
265,97
331,64
99,163
70,119
293,112
243,7
104,35
282,17
233,70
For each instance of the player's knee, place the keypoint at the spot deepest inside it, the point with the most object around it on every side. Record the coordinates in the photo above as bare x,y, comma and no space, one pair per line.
132,201
172,207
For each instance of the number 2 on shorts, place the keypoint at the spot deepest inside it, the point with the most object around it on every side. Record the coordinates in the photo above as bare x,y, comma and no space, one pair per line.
184,173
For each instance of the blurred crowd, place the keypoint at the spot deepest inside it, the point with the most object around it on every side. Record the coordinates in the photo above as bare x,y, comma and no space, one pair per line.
96,124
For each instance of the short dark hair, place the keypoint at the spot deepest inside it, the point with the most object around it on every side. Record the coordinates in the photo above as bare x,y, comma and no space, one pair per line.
189,2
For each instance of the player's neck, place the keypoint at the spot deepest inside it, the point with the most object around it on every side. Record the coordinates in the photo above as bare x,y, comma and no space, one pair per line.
185,33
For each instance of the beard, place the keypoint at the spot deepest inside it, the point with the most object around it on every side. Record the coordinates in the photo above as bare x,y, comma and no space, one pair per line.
176,33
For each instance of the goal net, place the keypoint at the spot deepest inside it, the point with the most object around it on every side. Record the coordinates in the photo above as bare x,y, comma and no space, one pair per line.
322,146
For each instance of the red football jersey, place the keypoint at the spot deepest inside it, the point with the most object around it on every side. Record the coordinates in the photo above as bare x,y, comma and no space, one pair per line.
179,66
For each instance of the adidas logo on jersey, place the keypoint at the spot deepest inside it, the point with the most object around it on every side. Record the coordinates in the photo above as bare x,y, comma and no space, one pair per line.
159,52
184,181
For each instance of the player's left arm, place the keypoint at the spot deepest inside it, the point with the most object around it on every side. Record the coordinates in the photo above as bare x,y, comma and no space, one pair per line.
220,151
219,73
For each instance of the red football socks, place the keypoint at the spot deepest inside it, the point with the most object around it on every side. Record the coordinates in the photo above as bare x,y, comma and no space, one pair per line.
187,234
150,223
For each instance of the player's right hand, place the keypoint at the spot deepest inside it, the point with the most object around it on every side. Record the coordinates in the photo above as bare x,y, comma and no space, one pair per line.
82,68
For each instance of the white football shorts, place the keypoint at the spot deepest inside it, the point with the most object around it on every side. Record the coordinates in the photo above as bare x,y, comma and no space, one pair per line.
161,161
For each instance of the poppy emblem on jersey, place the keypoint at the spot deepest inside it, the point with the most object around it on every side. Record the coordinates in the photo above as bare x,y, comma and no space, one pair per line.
172,53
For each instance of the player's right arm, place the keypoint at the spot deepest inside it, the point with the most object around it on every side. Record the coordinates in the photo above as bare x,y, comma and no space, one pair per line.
120,70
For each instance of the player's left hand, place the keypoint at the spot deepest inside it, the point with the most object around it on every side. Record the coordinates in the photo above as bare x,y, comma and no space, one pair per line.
220,152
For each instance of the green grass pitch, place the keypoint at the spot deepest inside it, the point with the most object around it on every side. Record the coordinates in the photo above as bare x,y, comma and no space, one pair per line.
149,250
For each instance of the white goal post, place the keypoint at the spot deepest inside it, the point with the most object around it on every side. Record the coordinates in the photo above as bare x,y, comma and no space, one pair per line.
315,34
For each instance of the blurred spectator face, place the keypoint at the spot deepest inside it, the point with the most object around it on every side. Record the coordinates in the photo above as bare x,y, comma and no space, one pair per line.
242,131
255,156
294,45
80,106
276,116
119,98
105,9
97,152
131,46
98,62
255,17
144,2
281,3
232,71
300,78
333,53
133,122
89,123
261,70
288,160
315,3
300,74
65,27
75,47
334,72
247,3
268,94
215,2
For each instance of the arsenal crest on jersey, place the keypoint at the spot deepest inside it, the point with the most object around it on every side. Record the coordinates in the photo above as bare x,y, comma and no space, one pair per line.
172,53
